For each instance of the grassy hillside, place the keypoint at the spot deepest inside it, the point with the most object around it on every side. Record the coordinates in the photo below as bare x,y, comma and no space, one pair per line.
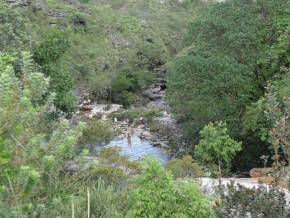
109,36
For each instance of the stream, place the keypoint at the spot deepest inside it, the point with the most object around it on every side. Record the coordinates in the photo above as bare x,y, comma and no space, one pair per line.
141,141
137,149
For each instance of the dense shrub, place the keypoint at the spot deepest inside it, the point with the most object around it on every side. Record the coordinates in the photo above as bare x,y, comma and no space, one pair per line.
114,168
103,202
238,201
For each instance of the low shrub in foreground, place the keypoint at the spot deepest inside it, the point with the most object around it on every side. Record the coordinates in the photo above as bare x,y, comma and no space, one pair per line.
156,194
238,201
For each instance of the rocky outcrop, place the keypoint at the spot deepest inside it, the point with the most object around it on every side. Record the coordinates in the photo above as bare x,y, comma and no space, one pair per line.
18,3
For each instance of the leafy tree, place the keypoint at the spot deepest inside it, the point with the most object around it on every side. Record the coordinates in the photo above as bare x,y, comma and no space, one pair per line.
51,49
156,194
216,147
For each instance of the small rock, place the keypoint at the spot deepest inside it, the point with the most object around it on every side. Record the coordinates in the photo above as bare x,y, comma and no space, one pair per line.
145,135
86,108
156,144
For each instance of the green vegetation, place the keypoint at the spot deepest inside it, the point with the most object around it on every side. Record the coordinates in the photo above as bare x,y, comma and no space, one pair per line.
48,54
155,194
147,114
127,82
114,45
225,68
12,29
30,159
185,167
258,202
230,52
216,149
97,131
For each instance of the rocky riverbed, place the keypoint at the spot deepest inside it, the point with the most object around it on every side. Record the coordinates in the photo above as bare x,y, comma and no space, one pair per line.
136,139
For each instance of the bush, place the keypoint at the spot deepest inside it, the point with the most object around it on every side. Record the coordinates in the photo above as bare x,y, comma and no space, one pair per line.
61,82
156,194
129,81
103,199
239,201
51,49
97,132
184,167
113,168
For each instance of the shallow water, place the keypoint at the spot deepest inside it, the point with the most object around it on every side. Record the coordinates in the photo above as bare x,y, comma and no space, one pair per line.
139,149
159,101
